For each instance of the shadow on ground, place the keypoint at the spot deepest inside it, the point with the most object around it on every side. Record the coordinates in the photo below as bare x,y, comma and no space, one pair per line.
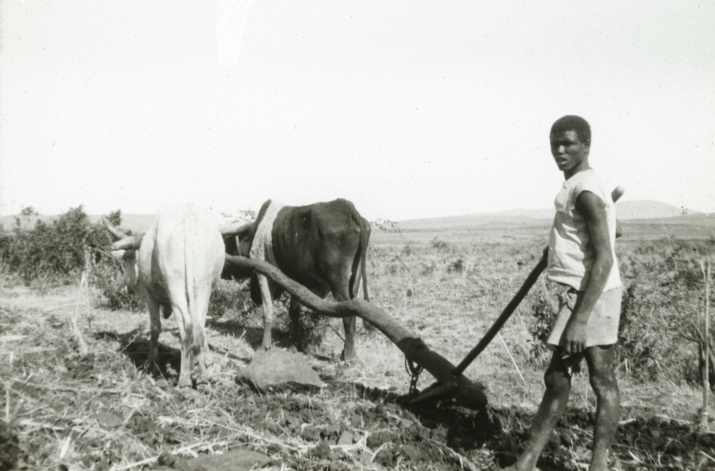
308,331
641,441
136,348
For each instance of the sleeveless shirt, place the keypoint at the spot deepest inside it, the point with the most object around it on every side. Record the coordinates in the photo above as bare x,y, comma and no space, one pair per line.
571,254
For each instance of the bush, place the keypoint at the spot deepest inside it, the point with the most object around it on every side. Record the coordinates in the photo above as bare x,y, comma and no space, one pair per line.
227,297
636,346
439,244
662,294
108,277
456,266
58,253
53,252
661,300
543,316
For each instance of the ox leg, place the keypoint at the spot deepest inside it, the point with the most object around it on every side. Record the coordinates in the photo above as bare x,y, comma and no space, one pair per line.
186,338
199,349
267,311
154,331
350,326
200,345
296,332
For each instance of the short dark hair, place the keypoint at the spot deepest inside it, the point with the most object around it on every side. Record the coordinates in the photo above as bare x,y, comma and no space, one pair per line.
573,123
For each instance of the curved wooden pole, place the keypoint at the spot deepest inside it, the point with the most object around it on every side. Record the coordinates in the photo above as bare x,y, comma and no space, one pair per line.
467,392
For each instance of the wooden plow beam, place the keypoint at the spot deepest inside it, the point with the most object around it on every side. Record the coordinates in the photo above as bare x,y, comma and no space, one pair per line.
463,390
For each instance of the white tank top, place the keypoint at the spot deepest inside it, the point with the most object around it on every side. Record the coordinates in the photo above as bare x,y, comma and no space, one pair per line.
571,254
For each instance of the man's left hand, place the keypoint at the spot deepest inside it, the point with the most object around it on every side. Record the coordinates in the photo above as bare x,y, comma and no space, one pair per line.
575,337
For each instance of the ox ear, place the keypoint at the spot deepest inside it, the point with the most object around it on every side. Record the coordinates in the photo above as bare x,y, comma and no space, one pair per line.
118,254
116,233
132,242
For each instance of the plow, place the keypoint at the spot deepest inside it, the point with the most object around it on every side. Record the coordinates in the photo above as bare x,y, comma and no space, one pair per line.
451,383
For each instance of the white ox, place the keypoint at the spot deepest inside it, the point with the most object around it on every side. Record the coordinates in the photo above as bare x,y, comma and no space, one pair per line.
173,267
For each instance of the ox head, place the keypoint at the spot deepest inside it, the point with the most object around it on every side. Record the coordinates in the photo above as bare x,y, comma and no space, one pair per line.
124,247
237,240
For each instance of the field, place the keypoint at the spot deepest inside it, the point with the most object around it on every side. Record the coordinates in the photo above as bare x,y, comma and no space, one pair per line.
65,410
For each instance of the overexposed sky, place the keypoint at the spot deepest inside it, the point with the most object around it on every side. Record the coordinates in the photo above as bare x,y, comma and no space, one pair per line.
409,108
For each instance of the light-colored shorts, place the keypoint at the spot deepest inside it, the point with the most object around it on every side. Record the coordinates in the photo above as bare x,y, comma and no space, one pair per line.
602,324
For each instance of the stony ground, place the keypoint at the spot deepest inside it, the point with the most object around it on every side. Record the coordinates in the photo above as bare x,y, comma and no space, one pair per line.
83,402
100,411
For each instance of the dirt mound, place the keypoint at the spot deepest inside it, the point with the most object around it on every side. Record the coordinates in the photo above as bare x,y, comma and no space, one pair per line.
276,369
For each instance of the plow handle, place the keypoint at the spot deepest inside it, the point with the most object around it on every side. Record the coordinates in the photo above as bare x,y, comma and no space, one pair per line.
503,317
514,303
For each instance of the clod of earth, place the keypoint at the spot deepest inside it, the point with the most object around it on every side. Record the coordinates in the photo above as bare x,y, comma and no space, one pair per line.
235,460
9,447
277,368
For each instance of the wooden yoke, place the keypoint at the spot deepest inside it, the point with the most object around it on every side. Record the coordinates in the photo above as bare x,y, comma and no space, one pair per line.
469,393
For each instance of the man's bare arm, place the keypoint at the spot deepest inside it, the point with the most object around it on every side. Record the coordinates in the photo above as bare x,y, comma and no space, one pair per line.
594,212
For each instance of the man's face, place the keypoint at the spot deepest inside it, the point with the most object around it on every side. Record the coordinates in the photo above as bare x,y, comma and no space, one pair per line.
570,154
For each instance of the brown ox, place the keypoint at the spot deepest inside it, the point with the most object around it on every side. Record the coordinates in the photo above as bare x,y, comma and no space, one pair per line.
322,246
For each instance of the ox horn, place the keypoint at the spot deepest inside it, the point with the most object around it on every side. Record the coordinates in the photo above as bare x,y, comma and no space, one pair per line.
117,234
234,228
127,243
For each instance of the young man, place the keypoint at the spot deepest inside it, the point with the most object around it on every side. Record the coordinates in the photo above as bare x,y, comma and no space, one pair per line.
581,259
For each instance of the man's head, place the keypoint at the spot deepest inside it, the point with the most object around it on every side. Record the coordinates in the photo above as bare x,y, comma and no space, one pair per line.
573,123
570,144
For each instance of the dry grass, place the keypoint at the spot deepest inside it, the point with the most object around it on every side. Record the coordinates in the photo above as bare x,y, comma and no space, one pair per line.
101,411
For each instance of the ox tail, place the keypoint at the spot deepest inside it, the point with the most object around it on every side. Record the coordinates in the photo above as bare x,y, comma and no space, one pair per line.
360,262
364,240
188,286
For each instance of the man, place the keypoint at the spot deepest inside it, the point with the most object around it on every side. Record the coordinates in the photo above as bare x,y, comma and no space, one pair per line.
582,260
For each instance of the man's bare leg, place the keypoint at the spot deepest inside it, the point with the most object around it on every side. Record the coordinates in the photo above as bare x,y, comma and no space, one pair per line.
608,403
558,387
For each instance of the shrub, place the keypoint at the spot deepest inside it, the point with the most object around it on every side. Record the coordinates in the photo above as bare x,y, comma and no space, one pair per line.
107,277
438,243
227,297
636,344
52,252
58,253
542,315
662,294
456,266
310,330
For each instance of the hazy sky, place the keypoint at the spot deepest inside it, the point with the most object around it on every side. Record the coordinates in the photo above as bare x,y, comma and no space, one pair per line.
409,108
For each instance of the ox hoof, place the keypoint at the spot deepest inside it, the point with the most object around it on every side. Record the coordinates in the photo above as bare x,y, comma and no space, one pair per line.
203,387
150,366
185,384
349,357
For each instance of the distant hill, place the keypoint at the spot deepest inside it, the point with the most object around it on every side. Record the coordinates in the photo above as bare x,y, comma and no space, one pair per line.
505,218
626,210
643,210
646,209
